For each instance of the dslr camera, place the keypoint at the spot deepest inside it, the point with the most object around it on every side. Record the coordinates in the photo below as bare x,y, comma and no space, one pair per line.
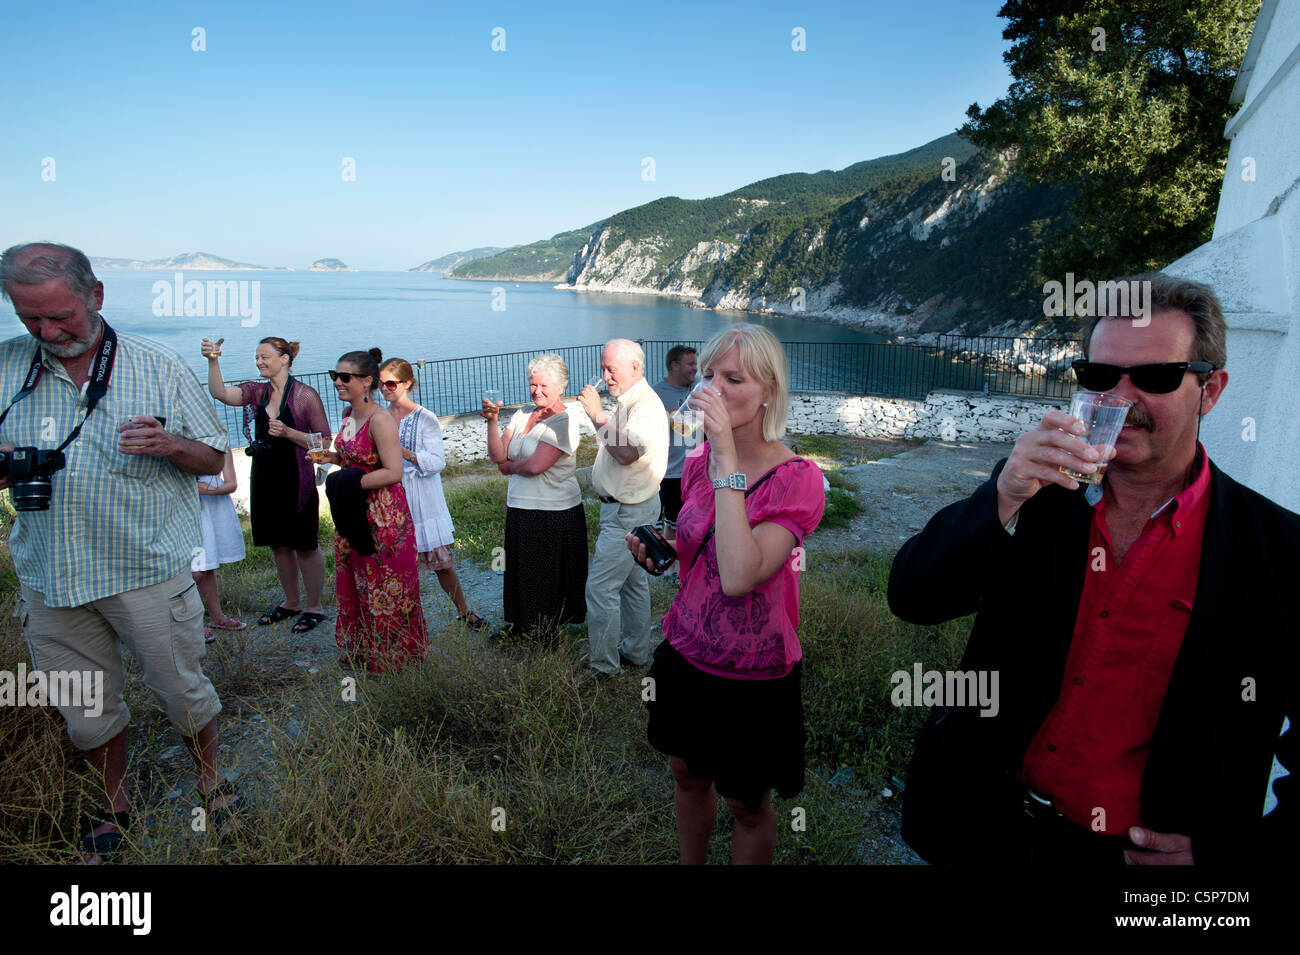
258,446
30,469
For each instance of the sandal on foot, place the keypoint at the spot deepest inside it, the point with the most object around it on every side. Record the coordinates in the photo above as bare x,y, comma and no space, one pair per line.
474,621
207,635
308,621
219,819
276,615
105,844
228,623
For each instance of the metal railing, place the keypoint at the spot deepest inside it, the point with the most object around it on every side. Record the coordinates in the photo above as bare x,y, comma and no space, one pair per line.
1001,366
1038,367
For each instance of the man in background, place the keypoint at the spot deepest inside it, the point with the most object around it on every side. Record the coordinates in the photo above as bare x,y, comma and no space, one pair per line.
672,391
630,463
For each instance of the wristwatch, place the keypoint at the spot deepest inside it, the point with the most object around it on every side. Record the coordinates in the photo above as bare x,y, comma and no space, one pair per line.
734,481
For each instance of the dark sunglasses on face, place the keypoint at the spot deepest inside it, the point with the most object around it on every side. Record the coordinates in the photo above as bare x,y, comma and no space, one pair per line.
343,376
1157,379
389,384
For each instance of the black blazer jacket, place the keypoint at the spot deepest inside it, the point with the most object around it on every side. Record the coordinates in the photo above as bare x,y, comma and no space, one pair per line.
1208,774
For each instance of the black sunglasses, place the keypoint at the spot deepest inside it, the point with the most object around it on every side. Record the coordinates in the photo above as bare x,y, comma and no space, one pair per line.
343,376
1157,379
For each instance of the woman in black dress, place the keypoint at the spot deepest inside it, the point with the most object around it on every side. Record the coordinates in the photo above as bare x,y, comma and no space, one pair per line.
279,413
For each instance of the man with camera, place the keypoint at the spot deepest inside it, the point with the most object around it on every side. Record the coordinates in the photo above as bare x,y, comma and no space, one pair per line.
108,520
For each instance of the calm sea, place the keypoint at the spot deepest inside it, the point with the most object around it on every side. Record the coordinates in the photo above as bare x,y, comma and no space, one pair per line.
411,315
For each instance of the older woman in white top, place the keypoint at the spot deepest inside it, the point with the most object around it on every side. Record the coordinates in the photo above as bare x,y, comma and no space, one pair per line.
546,527
423,460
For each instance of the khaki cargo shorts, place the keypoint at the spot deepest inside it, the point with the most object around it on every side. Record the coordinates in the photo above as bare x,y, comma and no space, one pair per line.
162,626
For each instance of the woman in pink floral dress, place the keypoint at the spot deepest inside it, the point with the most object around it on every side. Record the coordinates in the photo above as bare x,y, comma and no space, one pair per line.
380,620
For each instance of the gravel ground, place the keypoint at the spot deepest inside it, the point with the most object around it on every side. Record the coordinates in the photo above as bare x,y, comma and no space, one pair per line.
899,494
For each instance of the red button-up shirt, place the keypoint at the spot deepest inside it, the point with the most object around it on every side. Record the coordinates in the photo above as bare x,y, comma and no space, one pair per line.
1089,754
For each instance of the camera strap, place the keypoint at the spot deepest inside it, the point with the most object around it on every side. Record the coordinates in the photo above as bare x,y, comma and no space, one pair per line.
96,388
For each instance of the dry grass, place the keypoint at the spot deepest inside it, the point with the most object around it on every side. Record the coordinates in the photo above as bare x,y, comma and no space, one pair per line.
478,755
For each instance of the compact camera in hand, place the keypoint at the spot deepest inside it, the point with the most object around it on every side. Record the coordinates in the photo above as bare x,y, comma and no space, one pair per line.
30,469
656,548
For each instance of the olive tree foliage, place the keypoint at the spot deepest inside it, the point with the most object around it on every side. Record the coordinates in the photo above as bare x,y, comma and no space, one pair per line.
1126,103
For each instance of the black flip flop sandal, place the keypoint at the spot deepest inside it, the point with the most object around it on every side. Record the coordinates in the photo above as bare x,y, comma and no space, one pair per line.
276,615
105,844
307,622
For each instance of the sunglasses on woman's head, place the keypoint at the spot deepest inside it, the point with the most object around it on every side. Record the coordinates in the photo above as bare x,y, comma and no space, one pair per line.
343,376
1157,379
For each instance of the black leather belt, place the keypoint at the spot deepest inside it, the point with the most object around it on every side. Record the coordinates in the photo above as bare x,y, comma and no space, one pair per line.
1049,838
608,500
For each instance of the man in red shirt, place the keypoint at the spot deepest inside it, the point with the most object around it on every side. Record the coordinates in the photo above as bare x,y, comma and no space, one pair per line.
1139,628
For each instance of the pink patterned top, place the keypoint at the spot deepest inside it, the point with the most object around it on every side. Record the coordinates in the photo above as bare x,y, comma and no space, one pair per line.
752,637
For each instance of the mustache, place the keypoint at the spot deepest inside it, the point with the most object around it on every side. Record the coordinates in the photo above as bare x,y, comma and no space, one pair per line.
1137,418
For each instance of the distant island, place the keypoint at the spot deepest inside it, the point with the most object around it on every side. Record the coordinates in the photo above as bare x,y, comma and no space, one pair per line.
330,265
197,261
446,263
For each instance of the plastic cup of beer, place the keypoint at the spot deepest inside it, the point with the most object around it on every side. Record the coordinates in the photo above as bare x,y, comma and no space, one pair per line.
686,420
492,396
315,446
1103,418
215,351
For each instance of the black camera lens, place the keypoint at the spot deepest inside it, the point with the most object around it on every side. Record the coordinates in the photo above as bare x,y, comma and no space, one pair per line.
33,495
656,548
30,470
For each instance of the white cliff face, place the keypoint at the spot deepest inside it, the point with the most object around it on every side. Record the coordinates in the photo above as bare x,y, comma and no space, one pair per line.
961,205
609,263
630,266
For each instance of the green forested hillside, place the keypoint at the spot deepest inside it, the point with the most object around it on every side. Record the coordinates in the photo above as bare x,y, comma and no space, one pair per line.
679,224
669,227
978,271
547,259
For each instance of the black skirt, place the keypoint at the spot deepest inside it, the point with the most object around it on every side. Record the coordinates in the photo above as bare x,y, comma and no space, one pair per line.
273,494
546,568
745,735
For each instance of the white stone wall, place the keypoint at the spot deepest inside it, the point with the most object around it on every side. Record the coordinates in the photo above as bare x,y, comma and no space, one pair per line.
1252,263
947,415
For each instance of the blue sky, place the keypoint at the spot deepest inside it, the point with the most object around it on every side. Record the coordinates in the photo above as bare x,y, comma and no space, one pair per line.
238,149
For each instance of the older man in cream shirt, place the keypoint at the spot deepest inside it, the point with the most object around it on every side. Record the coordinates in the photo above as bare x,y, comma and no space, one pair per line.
630,463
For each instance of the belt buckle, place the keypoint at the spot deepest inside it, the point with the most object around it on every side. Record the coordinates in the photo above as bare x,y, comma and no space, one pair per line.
1039,807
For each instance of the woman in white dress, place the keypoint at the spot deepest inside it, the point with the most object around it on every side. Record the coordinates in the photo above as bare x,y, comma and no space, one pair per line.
420,435
223,543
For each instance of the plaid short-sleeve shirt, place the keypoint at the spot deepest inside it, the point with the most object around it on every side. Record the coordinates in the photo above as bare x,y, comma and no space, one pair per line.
116,522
